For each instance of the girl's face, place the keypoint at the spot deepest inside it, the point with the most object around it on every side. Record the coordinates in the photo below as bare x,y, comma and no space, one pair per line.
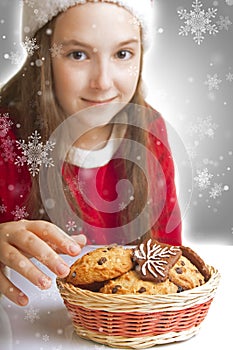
99,60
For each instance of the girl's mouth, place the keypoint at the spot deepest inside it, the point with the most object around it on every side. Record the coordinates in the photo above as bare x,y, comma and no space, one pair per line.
98,102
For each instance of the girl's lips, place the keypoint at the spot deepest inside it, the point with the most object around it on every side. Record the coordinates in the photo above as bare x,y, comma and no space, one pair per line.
98,102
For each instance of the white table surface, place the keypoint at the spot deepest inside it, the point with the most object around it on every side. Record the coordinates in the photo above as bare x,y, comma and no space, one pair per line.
44,323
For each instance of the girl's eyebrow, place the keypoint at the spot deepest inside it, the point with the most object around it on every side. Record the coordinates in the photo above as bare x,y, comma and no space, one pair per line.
74,42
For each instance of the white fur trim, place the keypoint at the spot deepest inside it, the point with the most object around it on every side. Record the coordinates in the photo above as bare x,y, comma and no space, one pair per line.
36,13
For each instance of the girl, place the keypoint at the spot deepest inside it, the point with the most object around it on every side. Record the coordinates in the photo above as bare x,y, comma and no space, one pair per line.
87,62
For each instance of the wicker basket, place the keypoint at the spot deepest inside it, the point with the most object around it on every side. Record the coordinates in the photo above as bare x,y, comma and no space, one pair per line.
138,321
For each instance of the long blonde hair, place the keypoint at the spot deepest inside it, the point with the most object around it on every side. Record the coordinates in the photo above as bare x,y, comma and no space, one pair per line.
31,92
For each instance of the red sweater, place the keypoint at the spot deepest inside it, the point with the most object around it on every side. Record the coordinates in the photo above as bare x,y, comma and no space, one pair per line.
15,183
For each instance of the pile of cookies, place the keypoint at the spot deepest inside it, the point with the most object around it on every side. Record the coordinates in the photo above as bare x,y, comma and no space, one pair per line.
150,268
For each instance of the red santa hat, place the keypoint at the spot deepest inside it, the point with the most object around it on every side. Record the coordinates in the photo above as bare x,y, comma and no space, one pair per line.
36,13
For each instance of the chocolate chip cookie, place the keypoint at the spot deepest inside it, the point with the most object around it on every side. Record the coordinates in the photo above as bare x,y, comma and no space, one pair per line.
100,265
185,275
130,283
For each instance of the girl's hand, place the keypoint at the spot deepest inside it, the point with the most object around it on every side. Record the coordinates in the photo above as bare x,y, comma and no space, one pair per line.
43,240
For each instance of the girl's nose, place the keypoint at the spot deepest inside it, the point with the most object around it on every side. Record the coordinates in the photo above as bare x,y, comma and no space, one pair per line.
101,76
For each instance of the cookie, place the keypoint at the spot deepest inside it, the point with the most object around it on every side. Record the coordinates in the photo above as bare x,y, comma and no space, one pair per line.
100,265
197,261
185,275
154,260
130,283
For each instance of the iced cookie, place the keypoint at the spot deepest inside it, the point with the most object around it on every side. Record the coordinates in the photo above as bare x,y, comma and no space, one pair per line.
154,260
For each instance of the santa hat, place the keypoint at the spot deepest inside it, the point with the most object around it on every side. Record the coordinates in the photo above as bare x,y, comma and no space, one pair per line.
36,13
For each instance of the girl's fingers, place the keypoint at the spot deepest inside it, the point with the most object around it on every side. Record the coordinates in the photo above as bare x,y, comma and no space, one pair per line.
80,239
27,242
11,291
54,236
12,258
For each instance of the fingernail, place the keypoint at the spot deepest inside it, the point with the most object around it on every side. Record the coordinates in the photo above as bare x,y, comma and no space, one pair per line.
62,269
22,299
74,249
80,239
44,282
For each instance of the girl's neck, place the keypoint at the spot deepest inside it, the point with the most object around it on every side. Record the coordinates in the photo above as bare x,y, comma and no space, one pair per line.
94,139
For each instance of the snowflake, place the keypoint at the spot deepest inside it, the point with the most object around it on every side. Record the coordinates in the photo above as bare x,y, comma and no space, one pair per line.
197,22
42,16
122,206
133,71
19,213
154,257
75,184
213,82
45,338
71,226
56,50
5,124
203,127
31,314
191,150
216,191
8,152
30,45
35,153
229,77
14,57
3,208
134,21
203,179
30,3
223,23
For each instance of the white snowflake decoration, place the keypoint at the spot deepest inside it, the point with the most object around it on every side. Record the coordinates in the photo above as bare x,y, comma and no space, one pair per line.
213,82
71,226
216,191
229,77
34,153
133,71
223,23
14,57
197,22
203,127
191,150
30,45
31,314
5,124
202,180
154,257
19,213
3,208
8,153
45,338
30,3
122,206
56,50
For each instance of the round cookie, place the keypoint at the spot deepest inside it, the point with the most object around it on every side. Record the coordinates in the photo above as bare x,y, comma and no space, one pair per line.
185,275
130,283
100,265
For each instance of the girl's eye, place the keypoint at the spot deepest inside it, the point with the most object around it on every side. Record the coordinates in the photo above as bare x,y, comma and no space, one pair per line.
124,55
78,55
